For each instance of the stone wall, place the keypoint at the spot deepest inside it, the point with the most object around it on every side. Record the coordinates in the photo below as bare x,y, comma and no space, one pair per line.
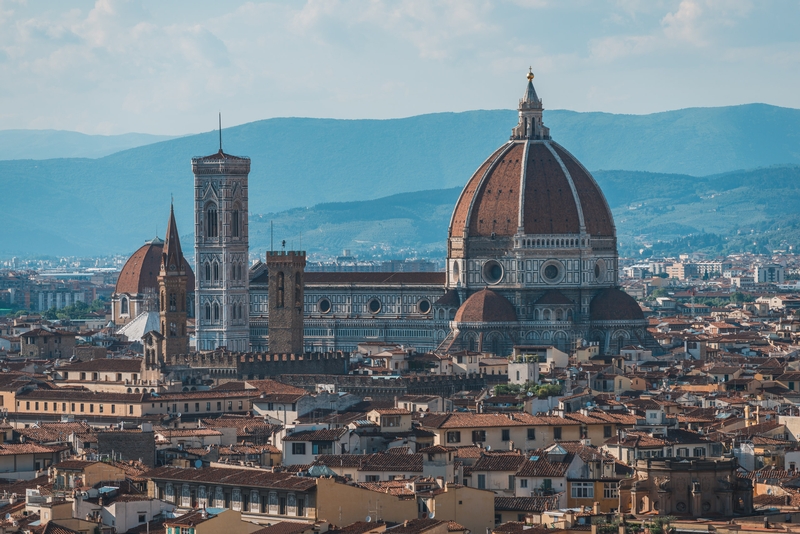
260,365
128,446
389,387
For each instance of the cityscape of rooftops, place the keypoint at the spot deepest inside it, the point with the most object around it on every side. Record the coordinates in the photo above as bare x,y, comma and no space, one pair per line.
400,267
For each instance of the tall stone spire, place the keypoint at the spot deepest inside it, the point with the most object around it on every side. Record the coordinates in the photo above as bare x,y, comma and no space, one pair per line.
172,257
172,294
530,124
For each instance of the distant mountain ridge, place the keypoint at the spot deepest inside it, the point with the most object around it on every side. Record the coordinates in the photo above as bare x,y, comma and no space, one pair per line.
756,210
50,144
112,204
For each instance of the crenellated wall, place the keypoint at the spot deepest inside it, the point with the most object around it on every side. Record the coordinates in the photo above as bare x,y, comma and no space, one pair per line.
260,365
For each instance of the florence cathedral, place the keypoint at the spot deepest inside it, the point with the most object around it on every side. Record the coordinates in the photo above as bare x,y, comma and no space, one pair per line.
531,260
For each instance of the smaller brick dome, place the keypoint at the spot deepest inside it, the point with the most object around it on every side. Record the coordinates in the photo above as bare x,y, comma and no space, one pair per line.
486,306
141,270
613,304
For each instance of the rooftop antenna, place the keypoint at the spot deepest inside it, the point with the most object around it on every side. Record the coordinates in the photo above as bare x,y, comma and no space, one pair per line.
220,132
271,247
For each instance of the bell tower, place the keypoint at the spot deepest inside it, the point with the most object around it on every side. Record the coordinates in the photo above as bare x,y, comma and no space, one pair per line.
286,295
172,293
221,252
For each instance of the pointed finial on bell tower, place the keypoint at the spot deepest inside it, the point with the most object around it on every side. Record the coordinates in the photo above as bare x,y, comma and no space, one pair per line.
220,132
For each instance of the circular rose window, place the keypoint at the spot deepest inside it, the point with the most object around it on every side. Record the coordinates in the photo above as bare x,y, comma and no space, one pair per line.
374,306
492,272
324,305
424,306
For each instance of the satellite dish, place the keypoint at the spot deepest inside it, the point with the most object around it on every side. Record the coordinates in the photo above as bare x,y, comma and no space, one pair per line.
368,519
530,394
8,516
430,515
488,447
178,415
198,463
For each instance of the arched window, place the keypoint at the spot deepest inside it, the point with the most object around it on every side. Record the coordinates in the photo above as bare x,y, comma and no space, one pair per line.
235,222
173,329
559,315
123,305
173,302
546,315
211,221
216,271
208,271
163,328
279,295
208,312
216,312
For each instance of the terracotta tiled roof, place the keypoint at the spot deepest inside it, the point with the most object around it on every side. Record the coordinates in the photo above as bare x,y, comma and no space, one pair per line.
486,306
142,268
490,202
12,449
499,462
613,304
470,420
234,477
111,365
527,504
53,432
332,434
393,462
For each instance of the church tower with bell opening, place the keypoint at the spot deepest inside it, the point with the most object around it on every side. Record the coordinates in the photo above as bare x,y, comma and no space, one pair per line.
221,252
172,293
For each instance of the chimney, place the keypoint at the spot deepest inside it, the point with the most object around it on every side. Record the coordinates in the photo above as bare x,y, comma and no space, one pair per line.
596,508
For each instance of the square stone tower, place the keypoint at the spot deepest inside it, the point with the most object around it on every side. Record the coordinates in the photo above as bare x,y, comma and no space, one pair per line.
221,252
286,294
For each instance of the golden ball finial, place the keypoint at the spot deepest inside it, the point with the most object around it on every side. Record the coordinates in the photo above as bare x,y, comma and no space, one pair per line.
530,73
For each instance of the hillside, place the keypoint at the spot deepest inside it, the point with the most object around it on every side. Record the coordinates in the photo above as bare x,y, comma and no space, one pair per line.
112,204
722,212
49,144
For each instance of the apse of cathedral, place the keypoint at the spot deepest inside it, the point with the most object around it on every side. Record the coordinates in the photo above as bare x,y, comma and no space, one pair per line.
531,260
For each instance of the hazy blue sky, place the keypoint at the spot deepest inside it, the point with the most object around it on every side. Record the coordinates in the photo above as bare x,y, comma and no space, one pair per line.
168,66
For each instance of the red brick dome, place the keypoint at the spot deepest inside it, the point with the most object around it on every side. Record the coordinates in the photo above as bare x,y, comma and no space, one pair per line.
486,306
142,268
613,304
534,184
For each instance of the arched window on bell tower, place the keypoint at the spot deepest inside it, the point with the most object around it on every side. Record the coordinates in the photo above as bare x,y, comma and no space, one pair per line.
279,296
212,223
235,221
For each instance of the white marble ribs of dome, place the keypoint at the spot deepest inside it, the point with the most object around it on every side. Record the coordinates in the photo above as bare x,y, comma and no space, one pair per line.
552,241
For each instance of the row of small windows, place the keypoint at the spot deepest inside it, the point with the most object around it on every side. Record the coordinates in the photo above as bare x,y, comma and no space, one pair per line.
236,499
375,306
72,407
212,221
554,243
